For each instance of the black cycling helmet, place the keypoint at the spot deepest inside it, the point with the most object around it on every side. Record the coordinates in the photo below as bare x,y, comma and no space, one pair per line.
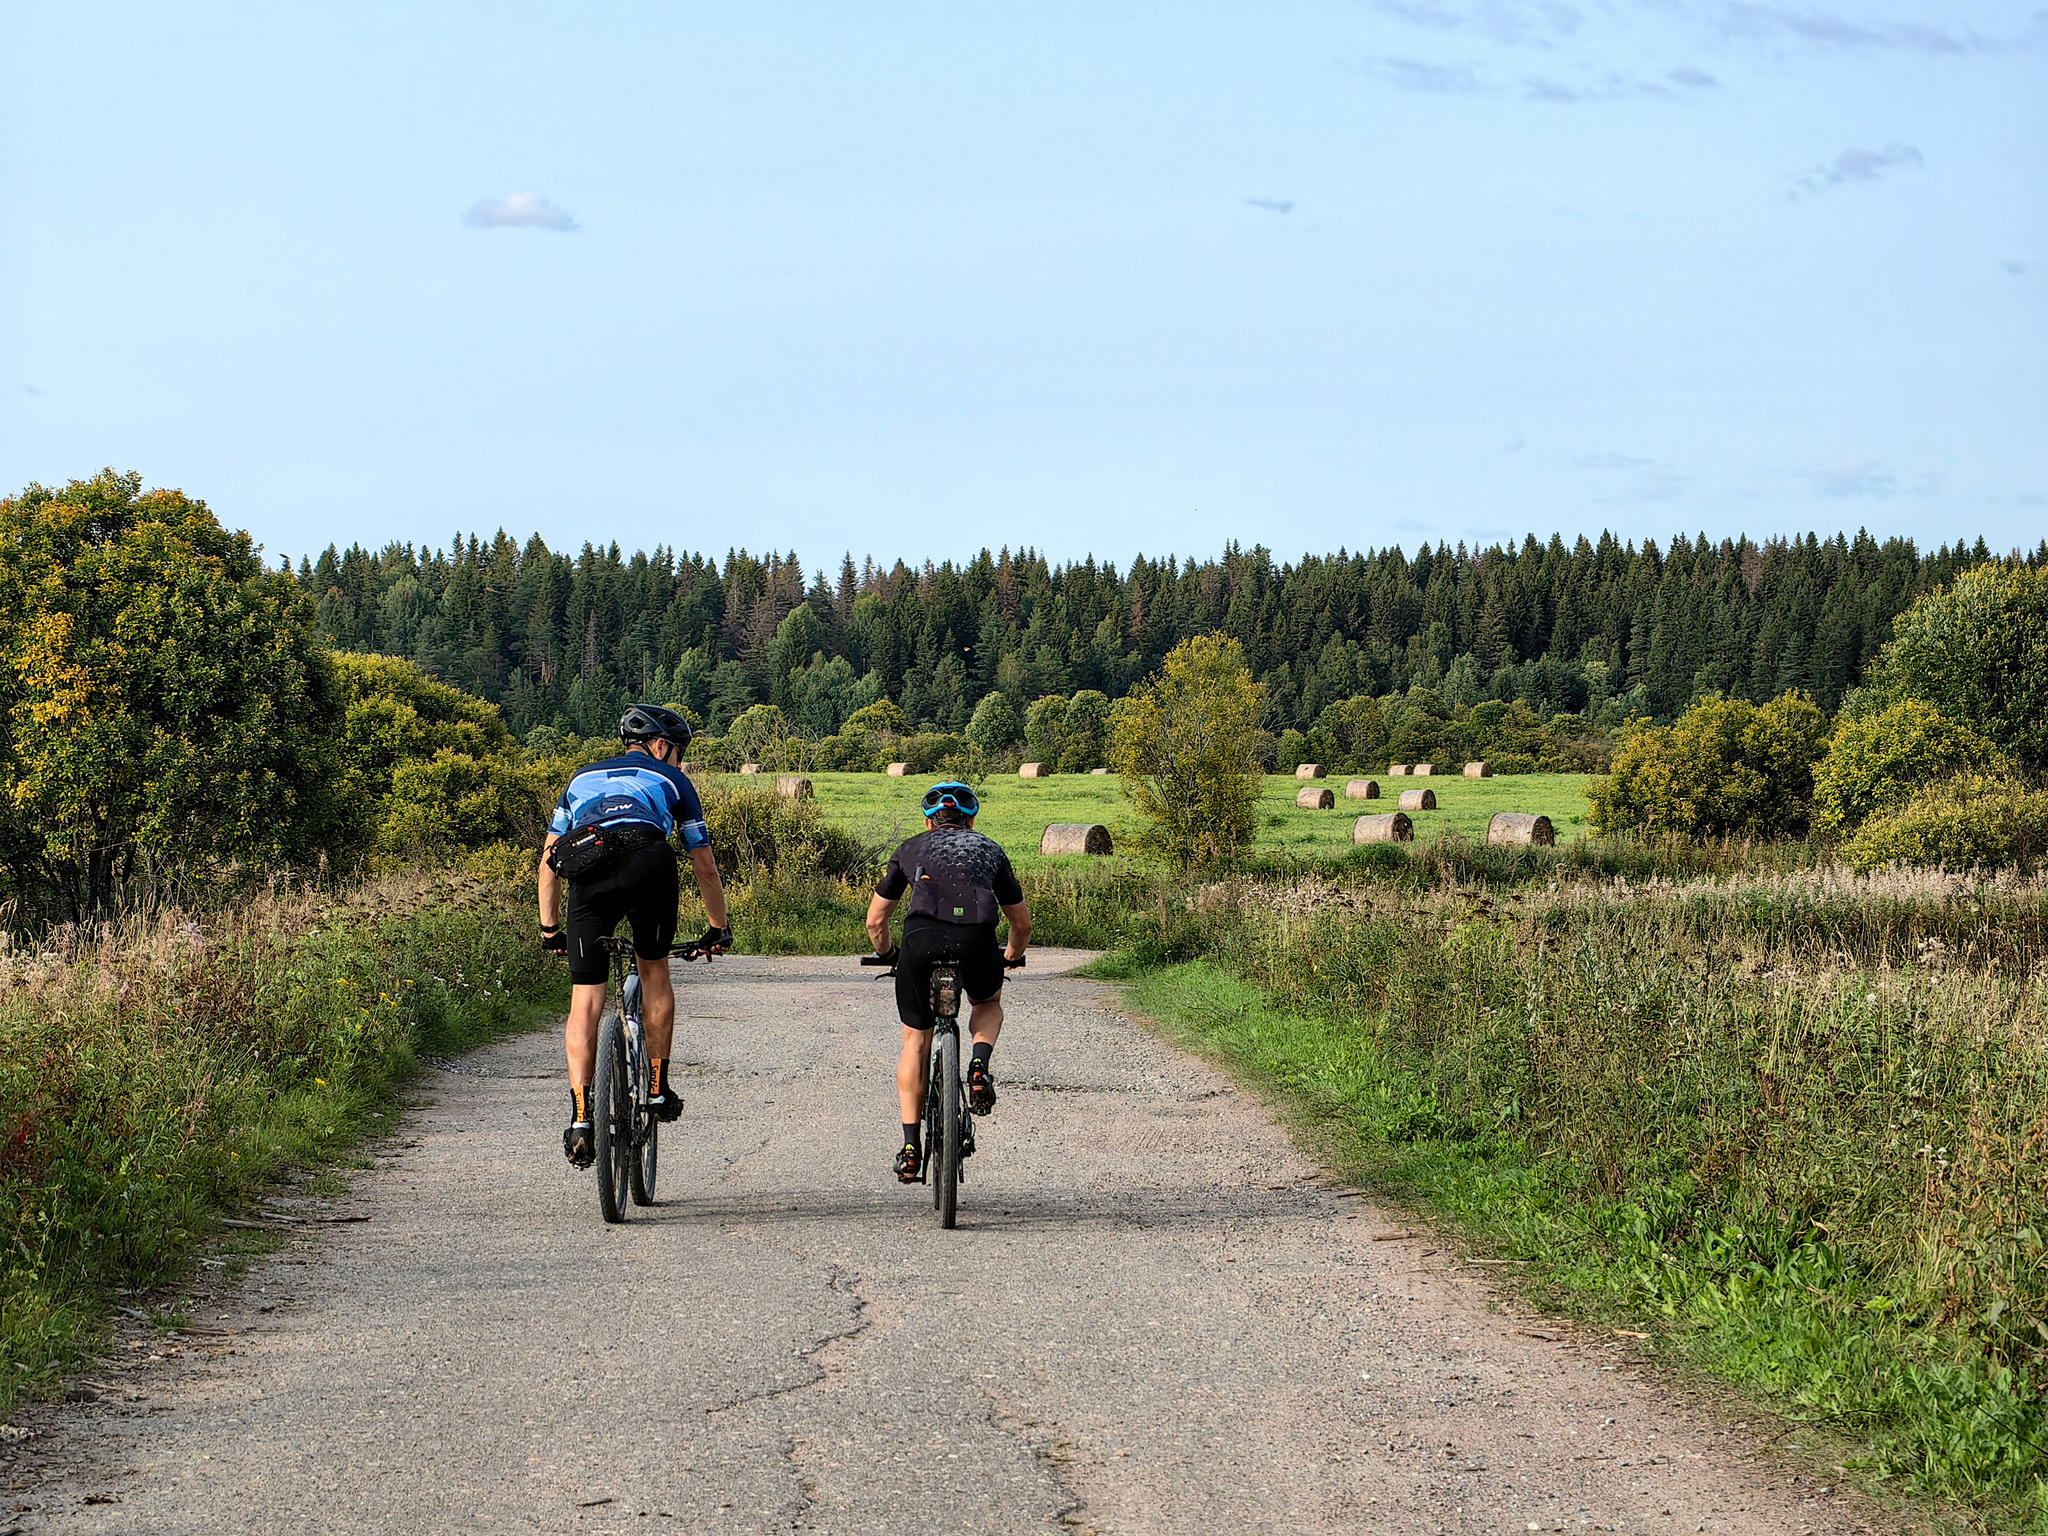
951,795
651,722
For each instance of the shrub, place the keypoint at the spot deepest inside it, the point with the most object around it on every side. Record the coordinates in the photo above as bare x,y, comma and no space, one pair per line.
1186,745
1970,821
1727,767
1042,724
755,831
1083,730
166,705
1978,652
452,802
1877,761
996,725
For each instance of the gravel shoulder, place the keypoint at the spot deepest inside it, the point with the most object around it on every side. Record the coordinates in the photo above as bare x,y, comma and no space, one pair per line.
1155,1317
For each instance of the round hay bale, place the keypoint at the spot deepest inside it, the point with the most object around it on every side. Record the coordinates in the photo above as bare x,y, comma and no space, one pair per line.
897,770
1098,772
1397,770
1478,770
1035,771
1313,799
793,786
750,767
1423,770
1075,837
1361,789
1518,829
1418,799
1392,828
1309,771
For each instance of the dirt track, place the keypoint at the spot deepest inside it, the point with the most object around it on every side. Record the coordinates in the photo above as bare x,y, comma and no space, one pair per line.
1152,1319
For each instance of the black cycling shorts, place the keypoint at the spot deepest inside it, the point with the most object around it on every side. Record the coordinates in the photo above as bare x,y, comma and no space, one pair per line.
641,888
926,941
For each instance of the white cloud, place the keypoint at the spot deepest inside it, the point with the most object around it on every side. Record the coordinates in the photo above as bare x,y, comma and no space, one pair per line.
1857,165
1272,204
2021,268
520,210
1418,75
1610,461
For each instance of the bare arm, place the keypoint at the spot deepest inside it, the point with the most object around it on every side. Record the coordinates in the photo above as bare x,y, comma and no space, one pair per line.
550,887
1020,930
880,910
705,865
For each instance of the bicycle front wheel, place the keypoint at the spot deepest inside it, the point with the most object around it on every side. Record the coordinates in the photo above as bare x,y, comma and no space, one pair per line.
946,1132
611,1119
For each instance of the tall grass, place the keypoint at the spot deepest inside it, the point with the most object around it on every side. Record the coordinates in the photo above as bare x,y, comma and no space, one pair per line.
1799,1115
167,1066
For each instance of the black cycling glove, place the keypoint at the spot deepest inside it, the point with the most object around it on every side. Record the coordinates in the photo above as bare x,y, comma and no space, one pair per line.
714,939
554,941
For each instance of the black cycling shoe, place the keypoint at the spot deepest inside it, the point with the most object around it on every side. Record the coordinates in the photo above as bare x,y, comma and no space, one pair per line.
579,1146
981,1088
909,1165
667,1104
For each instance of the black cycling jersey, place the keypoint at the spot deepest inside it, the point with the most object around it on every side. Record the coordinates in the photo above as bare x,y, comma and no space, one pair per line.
953,874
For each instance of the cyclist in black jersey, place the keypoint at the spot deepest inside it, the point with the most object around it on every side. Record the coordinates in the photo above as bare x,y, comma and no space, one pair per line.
958,879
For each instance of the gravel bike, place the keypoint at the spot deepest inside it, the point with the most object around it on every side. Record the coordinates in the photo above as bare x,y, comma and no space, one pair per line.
948,1128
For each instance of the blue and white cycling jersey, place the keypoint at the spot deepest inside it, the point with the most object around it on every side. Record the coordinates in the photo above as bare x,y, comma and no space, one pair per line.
633,786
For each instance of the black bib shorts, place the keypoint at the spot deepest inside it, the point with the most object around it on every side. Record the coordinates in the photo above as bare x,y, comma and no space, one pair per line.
926,941
642,888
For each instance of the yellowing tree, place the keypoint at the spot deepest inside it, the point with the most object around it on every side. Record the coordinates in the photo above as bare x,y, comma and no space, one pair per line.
1185,745
165,701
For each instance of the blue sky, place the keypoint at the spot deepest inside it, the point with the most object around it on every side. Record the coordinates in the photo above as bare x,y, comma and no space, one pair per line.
908,279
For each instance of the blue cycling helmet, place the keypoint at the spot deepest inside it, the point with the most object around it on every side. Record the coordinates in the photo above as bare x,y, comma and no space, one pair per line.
951,795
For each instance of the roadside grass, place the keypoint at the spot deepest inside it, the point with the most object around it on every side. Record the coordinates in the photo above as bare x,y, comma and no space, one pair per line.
170,1067
1793,1125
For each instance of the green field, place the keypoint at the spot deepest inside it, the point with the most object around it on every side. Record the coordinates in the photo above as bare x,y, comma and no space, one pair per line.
1015,811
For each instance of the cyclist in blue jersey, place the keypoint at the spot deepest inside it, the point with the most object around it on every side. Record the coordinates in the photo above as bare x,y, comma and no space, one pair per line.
609,839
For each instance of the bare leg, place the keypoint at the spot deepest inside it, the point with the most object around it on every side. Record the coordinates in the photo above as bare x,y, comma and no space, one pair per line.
917,1050
579,1034
985,1019
657,1006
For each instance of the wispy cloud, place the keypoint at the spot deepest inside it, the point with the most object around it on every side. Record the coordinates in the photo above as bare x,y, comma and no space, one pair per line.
1823,29
1610,461
1860,477
1529,22
1418,75
1857,165
2021,268
520,210
1409,525
27,389
1692,79
1272,204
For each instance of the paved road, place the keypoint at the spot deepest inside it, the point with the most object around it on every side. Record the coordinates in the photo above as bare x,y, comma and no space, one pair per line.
1151,1319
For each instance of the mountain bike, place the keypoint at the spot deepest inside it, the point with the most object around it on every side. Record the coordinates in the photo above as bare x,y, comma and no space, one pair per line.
948,1128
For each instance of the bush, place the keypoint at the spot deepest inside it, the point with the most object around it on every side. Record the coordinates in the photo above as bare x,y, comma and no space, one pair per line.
1726,768
1082,731
1978,652
1876,762
1042,725
1186,745
1962,823
996,725
754,831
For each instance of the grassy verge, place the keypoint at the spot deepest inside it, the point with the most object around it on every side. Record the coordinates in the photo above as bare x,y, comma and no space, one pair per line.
170,1067
1792,1125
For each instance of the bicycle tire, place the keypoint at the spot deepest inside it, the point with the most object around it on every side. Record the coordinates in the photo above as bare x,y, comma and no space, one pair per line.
946,1194
647,1155
611,1119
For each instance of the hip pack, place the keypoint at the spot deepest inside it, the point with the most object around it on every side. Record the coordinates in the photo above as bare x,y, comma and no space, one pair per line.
590,851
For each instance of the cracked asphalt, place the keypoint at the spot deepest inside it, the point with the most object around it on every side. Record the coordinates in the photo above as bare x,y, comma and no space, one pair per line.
1154,1317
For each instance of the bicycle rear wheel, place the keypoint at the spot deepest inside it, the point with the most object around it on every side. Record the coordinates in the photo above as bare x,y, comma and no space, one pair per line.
946,1181
646,1157
611,1119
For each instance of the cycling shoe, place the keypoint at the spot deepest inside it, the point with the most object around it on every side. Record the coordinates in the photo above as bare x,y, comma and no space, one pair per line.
579,1146
981,1088
909,1165
667,1105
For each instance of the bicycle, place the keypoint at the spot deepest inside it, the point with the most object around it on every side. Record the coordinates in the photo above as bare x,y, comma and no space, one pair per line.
627,1135
948,1128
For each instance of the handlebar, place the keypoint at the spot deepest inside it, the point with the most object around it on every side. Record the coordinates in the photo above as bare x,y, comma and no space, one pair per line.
888,960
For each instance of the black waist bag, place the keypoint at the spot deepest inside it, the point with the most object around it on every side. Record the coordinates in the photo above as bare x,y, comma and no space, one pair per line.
589,851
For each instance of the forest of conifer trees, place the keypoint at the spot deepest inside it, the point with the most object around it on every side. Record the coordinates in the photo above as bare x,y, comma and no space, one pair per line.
1599,629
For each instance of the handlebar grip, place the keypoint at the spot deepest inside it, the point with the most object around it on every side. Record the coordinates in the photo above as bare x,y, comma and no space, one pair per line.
877,960
1016,964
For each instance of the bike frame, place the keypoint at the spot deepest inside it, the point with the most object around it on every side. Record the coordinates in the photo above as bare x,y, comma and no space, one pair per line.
946,995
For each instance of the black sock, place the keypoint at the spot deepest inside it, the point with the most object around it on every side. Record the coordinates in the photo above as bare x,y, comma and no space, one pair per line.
913,1134
983,1049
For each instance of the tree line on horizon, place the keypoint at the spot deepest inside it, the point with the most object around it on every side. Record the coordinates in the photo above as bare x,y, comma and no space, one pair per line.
1603,629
